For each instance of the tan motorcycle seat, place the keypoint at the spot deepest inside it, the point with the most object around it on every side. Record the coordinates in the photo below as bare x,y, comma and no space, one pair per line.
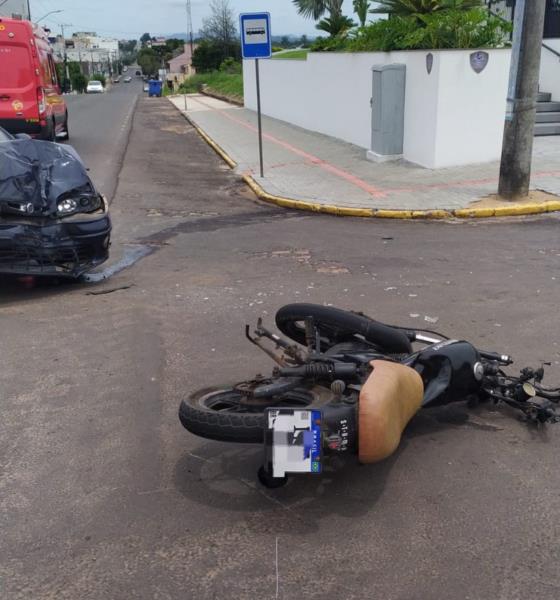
389,399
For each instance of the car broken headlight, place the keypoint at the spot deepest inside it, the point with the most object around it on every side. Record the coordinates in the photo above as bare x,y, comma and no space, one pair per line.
86,203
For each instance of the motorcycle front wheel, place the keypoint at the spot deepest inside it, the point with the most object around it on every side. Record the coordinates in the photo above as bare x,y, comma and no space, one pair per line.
226,414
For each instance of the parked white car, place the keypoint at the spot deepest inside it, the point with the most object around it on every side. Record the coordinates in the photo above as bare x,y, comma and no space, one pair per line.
95,87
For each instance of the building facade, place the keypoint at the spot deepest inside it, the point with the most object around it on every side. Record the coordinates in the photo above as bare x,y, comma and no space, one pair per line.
95,54
181,66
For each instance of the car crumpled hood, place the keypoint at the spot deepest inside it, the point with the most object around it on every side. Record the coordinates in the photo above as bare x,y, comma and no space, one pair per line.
37,172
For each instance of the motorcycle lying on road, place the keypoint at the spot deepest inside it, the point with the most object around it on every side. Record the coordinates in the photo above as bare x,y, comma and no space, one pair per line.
345,383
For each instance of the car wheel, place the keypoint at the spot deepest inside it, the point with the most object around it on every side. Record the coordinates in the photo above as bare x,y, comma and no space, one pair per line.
49,133
66,129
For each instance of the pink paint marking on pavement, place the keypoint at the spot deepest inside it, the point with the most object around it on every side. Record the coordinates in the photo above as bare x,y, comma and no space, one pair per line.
461,184
441,186
372,190
323,164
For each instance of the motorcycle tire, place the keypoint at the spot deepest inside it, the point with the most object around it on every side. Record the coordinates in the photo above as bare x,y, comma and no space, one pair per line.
223,413
336,325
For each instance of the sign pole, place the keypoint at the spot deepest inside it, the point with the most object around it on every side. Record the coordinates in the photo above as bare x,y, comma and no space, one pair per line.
256,43
259,116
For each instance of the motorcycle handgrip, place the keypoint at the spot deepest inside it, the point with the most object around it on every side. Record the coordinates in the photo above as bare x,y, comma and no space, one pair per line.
501,358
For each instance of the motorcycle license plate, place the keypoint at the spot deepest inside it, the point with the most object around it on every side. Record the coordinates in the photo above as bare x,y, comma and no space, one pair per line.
293,441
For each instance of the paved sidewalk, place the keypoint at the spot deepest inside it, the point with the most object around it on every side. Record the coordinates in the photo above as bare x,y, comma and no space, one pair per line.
303,165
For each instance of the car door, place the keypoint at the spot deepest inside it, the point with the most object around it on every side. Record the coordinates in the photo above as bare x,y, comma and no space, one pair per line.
18,91
56,98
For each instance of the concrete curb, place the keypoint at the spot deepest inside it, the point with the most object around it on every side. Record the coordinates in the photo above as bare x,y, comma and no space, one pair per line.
515,210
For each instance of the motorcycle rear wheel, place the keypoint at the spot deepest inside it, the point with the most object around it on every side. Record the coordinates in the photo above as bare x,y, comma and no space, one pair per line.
225,414
336,325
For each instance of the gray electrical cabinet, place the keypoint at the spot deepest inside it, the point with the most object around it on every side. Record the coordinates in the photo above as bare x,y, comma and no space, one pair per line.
387,103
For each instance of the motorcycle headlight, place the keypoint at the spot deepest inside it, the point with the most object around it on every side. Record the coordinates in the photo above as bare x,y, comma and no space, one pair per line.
80,204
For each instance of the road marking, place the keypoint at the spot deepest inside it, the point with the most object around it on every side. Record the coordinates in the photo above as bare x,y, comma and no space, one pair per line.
277,574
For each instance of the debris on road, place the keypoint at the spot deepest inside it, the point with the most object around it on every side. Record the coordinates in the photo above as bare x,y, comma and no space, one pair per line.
109,291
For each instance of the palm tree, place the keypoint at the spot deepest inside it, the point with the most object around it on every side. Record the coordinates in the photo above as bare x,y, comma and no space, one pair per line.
416,7
335,24
315,9
361,8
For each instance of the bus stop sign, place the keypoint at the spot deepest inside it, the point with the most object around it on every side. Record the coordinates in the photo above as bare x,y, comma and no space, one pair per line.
256,41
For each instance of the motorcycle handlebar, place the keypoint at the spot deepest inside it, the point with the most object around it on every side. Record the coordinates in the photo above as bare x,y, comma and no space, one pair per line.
501,358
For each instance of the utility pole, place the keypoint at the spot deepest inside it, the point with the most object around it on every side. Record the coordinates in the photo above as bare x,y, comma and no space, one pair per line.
190,26
66,68
515,170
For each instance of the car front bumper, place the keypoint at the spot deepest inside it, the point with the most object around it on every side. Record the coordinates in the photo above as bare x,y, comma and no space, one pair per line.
66,247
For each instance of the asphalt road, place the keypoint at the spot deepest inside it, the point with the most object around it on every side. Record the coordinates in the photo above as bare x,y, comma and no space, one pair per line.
99,128
104,495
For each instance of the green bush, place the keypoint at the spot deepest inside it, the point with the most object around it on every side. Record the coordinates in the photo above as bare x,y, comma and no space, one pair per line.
79,82
330,44
474,28
414,7
98,77
230,65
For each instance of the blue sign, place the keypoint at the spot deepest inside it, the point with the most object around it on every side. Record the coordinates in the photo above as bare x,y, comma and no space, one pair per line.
256,40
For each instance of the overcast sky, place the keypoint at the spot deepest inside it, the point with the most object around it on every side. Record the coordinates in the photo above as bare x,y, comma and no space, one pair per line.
131,18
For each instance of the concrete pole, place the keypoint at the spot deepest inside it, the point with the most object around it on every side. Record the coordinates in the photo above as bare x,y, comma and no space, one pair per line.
515,171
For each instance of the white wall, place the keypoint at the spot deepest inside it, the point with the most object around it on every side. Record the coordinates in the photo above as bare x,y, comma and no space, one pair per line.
453,116
471,109
322,94
550,69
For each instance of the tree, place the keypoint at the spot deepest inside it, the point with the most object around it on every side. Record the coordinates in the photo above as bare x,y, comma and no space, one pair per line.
149,61
128,46
220,27
335,24
304,41
145,39
420,7
79,82
210,55
285,41
361,8
174,44
315,9
99,77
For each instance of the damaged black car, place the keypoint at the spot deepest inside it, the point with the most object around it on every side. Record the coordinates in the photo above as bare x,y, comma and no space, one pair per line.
53,221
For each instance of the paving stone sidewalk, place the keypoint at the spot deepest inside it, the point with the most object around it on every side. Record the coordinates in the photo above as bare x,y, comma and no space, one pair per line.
304,165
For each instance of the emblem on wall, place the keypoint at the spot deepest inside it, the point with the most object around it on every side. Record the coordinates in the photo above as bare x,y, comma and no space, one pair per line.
479,60
17,105
429,62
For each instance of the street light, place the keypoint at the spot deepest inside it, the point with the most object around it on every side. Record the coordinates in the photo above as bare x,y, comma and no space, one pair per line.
53,12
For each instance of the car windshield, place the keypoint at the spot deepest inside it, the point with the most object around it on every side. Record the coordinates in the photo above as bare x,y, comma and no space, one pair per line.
95,83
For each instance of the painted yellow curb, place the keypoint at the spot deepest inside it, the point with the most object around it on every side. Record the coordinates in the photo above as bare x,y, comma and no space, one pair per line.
218,149
515,210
